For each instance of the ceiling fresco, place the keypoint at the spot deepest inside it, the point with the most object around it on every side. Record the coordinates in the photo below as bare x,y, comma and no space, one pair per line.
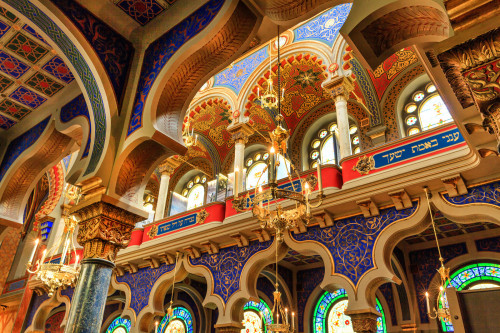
143,11
30,70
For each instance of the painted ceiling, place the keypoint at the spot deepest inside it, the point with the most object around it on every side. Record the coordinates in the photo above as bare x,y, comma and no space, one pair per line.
143,11
30,70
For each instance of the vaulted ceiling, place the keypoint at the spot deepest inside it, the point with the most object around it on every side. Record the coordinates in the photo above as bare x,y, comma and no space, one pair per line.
31,72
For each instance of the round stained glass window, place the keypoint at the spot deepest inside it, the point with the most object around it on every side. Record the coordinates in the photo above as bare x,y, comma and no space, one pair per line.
357,150
249,162
430,88
413,130
185,192
333,127
257,156
197,179
315,144
204,179
190,184
418,96
433,112
257,175
314,165
314,154
196,197
355,140
411,108
265,156
323,133
252,322
352,130
411,120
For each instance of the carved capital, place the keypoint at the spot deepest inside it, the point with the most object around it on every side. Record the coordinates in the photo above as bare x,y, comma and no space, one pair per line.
365,322
104,229
339,87
240,132
228,328
168,166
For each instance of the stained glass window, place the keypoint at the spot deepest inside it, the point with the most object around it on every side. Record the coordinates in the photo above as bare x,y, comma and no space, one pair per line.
196,197
119,325
431,109
256,175
181,321
329,314
474,276
253,314
328,143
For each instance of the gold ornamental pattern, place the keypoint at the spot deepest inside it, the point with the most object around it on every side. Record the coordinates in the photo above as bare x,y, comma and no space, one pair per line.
364,165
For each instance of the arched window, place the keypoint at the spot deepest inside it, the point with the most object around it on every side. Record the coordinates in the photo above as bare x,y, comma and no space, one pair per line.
424,111
329,314
119,325
254,315
256,171
195,191
181,321
474,276
324,145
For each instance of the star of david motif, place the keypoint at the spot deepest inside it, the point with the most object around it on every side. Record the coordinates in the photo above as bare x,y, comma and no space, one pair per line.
12,66
9,107
27,97
44,84
57,68
26,48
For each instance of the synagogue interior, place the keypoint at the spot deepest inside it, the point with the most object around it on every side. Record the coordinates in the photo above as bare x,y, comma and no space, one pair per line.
249,166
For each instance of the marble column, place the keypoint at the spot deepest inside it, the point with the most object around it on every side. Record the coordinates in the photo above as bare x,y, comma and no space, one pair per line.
103,229
228,328
166,170
339,88
240,133
364,321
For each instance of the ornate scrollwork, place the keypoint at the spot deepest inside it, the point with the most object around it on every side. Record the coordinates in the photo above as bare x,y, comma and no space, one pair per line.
364,165
201,216
312,180
153,231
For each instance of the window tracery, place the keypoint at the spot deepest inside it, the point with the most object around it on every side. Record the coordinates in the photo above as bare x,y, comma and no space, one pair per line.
324,145
425,110
194,191
474,276
119,325
329,314
181,321
254,315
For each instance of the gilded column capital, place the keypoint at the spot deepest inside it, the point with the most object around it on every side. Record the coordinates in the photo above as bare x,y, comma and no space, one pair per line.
339,86
240,132
104,229
364,322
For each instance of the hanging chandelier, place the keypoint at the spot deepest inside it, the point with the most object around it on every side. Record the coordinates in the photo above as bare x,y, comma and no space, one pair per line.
170,309
277,216
442,312
190,139
269,99
59,273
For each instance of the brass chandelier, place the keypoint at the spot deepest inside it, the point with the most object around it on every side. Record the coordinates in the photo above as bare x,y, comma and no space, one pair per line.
442,312
53,274
278,216
190,139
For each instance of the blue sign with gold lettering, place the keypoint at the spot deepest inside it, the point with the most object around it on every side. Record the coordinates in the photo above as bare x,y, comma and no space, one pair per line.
418,148
177,224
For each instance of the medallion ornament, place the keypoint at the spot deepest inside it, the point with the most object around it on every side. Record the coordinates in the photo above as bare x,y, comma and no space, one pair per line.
201,216
153,232
364,165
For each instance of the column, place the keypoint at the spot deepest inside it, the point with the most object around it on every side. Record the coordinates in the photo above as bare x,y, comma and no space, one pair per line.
339,88
103,229
228,328
364,321
166,170
240,134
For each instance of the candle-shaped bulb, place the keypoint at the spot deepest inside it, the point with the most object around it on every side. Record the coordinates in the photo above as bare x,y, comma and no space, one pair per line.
156,326
195,139
44,253
426,294
260,189
306,186
320,182
427,302
293,320
440,288
283,93
76,261
258,92
272,150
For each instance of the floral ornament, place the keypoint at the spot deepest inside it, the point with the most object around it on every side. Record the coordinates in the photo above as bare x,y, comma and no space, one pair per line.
201,216
153,231
364,165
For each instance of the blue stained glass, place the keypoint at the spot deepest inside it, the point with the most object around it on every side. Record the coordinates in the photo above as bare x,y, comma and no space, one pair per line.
119,325
179,313
326,304
468,277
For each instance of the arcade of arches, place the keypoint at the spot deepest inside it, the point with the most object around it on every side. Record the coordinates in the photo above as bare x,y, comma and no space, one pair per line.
152,111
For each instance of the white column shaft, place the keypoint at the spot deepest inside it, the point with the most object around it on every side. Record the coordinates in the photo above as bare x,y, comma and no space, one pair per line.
343,126
162,197
239,160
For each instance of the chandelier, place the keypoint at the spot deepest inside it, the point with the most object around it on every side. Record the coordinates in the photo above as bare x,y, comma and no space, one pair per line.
190,139
442,312
277,216
56,274
170,310
269,99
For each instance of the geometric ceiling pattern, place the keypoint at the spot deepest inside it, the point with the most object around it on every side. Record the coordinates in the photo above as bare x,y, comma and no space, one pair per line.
446,228
143,11
30,71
